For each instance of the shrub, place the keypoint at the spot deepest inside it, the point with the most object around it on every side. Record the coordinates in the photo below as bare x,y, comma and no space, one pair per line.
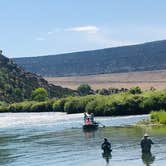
77,104
58,105
159,116
135,90
39,94
21,107
84,89
41,107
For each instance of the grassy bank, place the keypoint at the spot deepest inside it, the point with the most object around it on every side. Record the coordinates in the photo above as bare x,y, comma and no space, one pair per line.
158,117
125,103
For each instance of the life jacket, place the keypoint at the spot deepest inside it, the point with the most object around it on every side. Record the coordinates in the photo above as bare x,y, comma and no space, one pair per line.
88,122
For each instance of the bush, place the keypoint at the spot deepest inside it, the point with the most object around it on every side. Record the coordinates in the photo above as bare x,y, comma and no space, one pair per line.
135,90
3,109
39,94
159,116
21,107
77,104
84,89
123,103
58,105
41,107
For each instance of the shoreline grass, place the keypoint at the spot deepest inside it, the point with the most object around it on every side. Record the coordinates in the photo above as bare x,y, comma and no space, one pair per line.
158,117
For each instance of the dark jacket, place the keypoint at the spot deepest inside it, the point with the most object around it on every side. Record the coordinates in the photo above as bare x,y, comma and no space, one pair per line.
146,145
106,146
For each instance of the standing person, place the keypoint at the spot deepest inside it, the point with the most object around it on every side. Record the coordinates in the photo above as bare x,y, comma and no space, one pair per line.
106,146
146,143
92,118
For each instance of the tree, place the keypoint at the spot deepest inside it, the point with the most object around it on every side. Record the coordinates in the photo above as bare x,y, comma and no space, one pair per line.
84,89
39,94
135,90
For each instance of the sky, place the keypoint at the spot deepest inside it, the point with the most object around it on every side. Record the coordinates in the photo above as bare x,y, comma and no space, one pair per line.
45,27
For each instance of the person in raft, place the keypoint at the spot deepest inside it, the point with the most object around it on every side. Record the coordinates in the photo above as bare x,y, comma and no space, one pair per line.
146,143
88,121
85,116
92,118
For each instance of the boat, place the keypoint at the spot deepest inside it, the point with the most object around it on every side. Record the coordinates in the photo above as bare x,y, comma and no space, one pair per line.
92,126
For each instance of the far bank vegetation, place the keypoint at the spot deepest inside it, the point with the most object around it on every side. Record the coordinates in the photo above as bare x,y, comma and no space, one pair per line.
126,102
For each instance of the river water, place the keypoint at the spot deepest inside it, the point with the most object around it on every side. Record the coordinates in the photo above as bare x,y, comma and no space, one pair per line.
57,139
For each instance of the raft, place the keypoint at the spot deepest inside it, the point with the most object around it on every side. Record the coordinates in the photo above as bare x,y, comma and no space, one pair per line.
93,126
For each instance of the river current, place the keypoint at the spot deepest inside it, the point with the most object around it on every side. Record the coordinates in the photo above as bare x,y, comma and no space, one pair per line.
57,139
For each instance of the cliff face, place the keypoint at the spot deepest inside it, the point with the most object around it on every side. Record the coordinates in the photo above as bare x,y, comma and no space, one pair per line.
141,57
16,84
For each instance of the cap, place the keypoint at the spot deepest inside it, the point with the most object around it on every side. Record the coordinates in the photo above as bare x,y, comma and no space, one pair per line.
146,135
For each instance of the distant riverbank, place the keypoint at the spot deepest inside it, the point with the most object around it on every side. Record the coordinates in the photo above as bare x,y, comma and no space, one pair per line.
133,102
157,118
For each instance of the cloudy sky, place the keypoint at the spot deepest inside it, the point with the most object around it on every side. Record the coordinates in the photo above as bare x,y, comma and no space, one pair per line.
44,27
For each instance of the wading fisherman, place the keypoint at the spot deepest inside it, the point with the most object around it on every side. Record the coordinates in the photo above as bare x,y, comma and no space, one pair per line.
106,146
146,143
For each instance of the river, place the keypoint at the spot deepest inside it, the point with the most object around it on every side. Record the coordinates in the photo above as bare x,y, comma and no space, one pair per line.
57,139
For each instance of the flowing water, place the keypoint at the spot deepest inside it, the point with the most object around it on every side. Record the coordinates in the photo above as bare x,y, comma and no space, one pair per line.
56,139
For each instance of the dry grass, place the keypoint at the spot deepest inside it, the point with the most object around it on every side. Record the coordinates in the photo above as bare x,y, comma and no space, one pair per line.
145,80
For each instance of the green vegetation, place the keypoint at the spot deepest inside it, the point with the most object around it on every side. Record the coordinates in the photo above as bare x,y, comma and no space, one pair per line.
135,90
124,103
84,89
158,117
39,94
16,84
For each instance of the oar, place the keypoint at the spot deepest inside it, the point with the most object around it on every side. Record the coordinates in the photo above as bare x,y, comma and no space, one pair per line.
101,124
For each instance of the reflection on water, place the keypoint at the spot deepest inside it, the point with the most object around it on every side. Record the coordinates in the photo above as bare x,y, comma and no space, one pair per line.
107,157
49,143
148,158
89,134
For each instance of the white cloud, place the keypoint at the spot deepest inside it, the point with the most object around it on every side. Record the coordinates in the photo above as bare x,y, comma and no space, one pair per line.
95,36
88,29
102,39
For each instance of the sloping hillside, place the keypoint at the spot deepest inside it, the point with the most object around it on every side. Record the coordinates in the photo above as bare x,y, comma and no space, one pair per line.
142,57
17,84
144,79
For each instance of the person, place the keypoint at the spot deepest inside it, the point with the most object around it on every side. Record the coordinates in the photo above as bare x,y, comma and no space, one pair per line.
146,143
85,116
106,146
92,118
87,122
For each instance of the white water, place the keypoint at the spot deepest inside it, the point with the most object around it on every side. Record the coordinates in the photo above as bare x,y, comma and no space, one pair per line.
59,121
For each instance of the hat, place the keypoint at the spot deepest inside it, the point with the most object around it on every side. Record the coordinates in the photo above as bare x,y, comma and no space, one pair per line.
146,135
105,139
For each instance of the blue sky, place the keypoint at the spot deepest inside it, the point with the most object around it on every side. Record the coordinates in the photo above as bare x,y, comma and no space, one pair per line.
42,27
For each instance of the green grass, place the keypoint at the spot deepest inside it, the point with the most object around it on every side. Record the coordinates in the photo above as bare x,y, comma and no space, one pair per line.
159,117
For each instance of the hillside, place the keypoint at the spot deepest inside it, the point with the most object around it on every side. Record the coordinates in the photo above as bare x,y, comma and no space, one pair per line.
144,79
16,84
142,57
